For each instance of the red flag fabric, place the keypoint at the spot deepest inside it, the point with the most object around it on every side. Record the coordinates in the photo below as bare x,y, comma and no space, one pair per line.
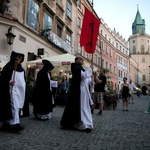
89,32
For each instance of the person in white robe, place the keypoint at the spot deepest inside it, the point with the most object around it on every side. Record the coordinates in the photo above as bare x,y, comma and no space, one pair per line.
85,102
77,113
12,87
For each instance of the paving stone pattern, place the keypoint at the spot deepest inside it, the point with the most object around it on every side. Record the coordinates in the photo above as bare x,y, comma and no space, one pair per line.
114,130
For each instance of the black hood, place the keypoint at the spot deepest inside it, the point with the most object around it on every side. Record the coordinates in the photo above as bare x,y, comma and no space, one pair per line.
75,66
14,55
47,65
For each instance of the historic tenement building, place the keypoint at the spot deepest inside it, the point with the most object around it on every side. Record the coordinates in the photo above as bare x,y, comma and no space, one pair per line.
139,46
122,58
41,28
45,28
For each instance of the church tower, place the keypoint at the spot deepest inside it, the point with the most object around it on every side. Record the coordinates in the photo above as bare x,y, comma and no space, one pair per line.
139,50
138,26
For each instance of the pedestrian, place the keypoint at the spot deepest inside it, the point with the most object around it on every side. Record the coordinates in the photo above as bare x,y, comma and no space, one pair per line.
77,113
13,89
99,89
125,93
64,87
43,98
131,88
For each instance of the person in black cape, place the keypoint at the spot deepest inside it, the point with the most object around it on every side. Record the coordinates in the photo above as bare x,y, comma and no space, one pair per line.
12,93
72,112
43,98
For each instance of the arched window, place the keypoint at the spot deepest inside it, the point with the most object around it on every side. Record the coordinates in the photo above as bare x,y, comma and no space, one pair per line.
143,60
143,78
142,49
134,50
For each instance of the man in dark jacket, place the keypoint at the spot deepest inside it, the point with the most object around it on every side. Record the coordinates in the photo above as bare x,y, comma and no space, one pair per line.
99,90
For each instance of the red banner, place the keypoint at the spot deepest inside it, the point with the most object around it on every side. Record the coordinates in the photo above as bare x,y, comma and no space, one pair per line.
89,32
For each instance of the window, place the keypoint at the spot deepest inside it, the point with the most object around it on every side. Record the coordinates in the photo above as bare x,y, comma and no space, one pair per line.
124,74
102,63
110,68
59,29
117,45
143,78
142,49
121,60
105,36
134,50
106,65
101,32
106,48
47,24
99,61
32,14
79,22
102,46
69,9
68,38
119,73
114,70
96,59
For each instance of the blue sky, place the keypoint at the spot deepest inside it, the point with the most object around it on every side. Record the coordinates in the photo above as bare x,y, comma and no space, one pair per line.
120,14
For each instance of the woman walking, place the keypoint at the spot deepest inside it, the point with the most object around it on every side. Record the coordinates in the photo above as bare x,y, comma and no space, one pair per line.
125,94
64,86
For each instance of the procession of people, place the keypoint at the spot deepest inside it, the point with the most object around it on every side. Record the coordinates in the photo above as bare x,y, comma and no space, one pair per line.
78,96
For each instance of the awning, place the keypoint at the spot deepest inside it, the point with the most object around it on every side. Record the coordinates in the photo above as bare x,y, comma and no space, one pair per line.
55,60
59,60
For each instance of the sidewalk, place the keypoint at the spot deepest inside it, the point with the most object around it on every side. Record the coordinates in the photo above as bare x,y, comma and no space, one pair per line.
114,130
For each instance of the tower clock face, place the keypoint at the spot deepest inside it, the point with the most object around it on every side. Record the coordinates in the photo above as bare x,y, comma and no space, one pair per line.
140,31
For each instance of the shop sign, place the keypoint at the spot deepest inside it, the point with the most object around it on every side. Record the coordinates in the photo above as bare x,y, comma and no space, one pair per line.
65,63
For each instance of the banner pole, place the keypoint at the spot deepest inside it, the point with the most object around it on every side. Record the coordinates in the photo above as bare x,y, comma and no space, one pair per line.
92,12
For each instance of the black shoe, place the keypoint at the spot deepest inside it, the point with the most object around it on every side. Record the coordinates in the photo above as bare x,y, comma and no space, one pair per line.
87,130
100,112
6,127
17,128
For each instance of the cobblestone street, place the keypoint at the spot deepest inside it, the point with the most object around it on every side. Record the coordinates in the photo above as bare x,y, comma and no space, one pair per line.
114,130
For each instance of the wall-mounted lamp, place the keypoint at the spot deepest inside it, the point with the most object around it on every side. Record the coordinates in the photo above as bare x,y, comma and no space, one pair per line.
10,36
